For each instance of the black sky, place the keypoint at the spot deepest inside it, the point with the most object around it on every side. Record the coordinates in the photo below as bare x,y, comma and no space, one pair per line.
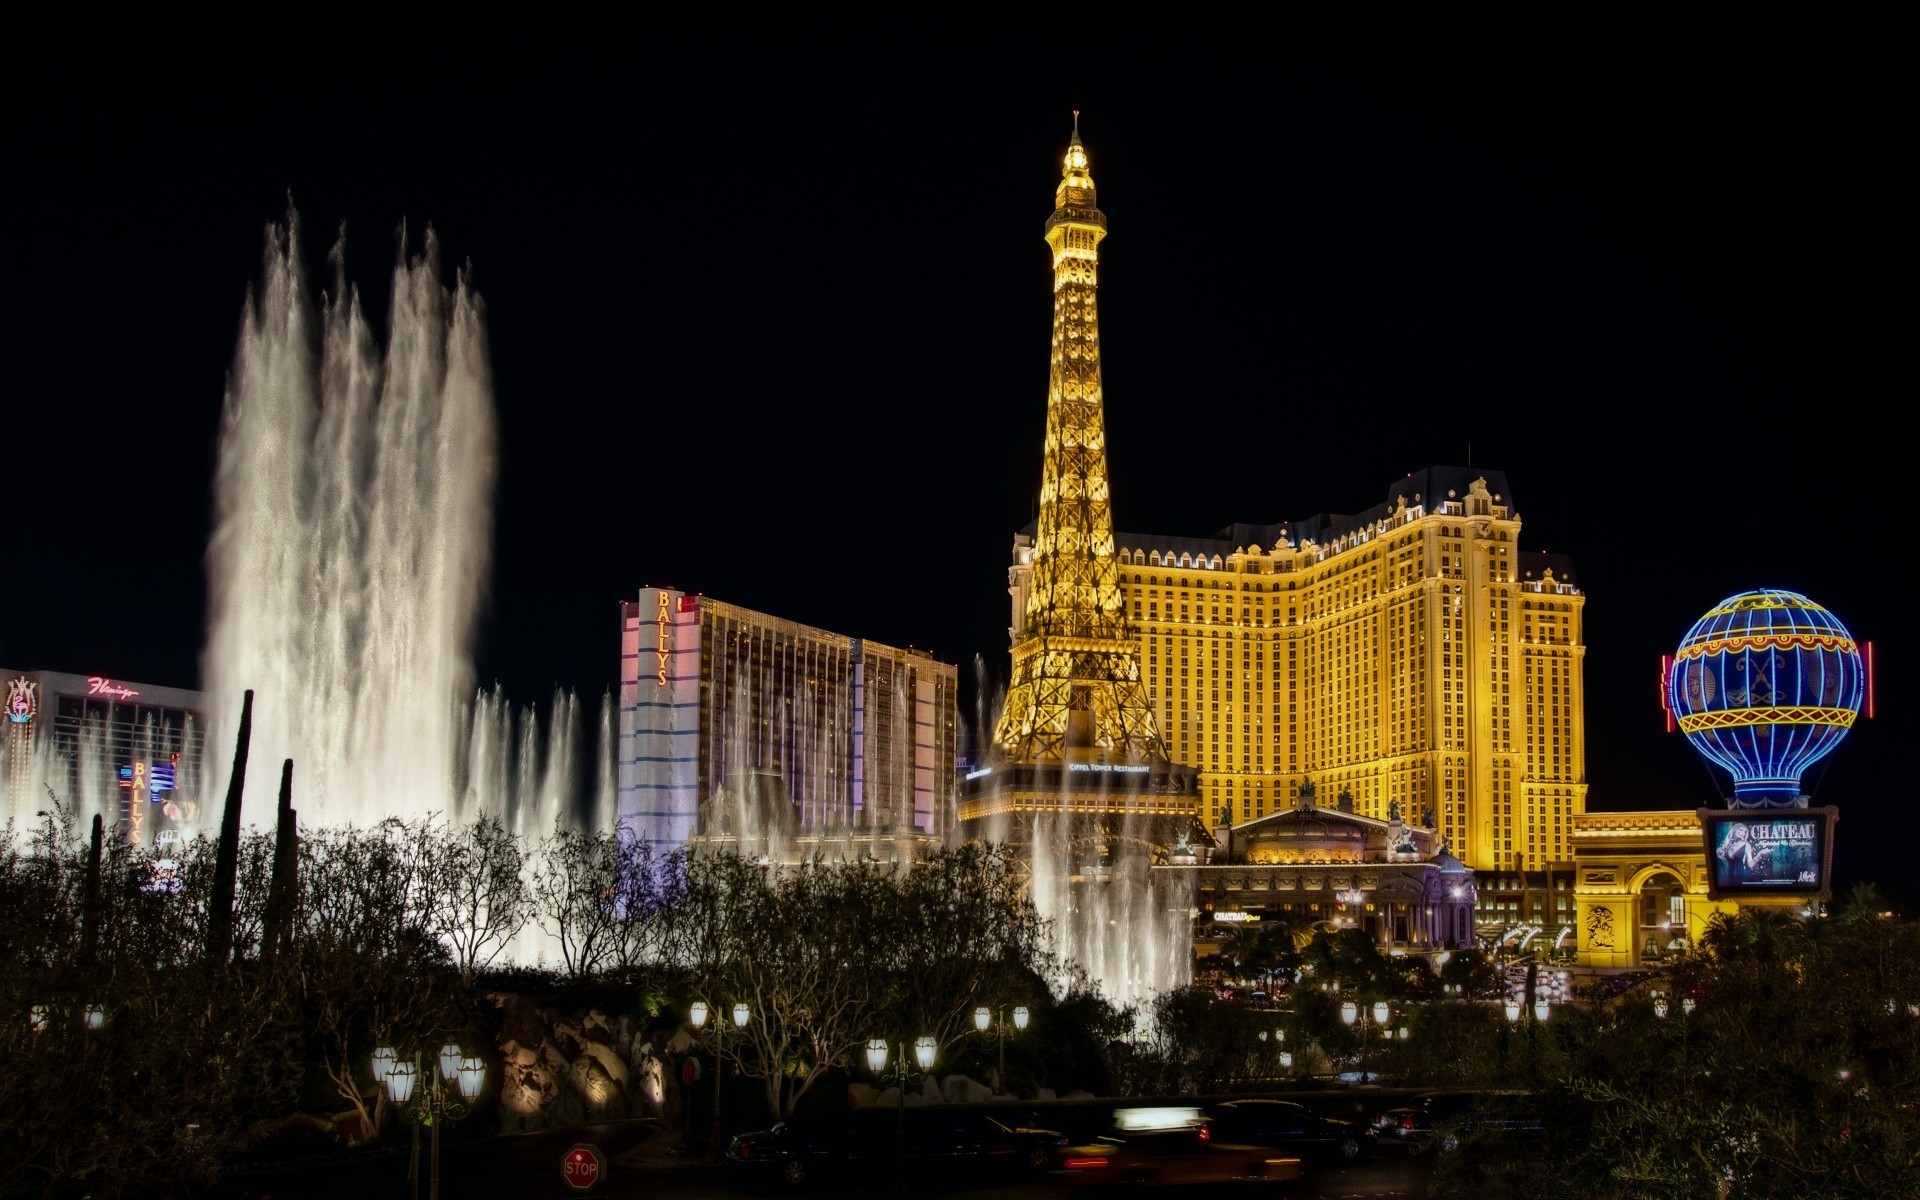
770,324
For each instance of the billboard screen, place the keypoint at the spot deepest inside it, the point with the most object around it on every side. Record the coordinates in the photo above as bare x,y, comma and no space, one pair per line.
1762,852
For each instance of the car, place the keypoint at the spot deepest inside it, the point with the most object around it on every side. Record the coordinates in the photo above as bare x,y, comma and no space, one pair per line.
1285,1125
1172,1146
1448,1119
871,1141
788,1154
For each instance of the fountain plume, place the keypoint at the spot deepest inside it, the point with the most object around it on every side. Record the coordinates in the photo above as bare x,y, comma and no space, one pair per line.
351,546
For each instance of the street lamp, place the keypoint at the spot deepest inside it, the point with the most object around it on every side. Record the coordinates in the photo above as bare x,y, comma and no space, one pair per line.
1377,1018
983,1017
697,1012
924,1050
447,1095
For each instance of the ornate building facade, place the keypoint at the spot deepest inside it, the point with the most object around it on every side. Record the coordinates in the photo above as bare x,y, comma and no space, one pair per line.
1641,882
778,738
1412,654
132,752
1313,867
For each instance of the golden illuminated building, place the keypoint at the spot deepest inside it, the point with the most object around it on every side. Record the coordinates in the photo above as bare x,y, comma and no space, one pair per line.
1641,883
1412,654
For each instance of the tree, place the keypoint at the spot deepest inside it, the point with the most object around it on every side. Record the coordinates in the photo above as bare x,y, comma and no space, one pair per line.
648,891
802,964
477,898
959,932
1796,1072
575,885
367,966
1263,952
134,1059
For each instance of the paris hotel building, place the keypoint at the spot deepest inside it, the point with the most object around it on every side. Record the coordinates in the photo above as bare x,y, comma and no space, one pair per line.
1413,653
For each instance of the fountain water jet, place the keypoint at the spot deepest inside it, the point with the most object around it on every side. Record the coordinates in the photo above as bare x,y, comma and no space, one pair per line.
350,551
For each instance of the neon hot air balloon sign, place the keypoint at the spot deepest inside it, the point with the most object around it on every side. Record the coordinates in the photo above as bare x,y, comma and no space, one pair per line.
1765,686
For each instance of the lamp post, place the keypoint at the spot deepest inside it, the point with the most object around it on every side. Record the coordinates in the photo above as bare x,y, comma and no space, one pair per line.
1535,1015
1279,1045
924,1050
424,1091
983,1017
697,1013
1350,1012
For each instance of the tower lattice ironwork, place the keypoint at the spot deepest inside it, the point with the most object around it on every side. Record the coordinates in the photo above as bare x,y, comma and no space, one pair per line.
1076,667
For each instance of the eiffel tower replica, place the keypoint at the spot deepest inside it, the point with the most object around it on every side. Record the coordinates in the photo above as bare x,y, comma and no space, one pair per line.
1078,735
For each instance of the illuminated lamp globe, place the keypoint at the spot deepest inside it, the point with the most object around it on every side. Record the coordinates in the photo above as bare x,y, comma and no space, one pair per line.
698,1014
400,1081
1020,1017
1765,686
473,1075
924,1048
876,1055
740,1015
982,1018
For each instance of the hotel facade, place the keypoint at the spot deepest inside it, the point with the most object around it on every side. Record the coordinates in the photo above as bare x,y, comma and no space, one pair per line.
737,728
1412,654
132,752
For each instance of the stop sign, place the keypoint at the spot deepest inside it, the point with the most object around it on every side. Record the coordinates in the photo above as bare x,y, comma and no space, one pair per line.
583,1167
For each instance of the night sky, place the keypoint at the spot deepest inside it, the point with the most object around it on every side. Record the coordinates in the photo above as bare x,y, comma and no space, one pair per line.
771,324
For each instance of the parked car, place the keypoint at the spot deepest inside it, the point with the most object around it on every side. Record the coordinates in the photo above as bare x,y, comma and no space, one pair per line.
1448,1119
1284,1125
1172,1147
869,1143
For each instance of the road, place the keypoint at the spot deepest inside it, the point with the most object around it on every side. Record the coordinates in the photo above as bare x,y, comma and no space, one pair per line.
1381,1177
528,1166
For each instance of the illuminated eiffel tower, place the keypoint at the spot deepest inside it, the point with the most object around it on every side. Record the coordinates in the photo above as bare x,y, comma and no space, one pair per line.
1076,669
1077,718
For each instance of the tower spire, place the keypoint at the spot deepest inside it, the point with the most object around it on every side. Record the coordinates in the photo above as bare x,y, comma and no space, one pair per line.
1076,669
